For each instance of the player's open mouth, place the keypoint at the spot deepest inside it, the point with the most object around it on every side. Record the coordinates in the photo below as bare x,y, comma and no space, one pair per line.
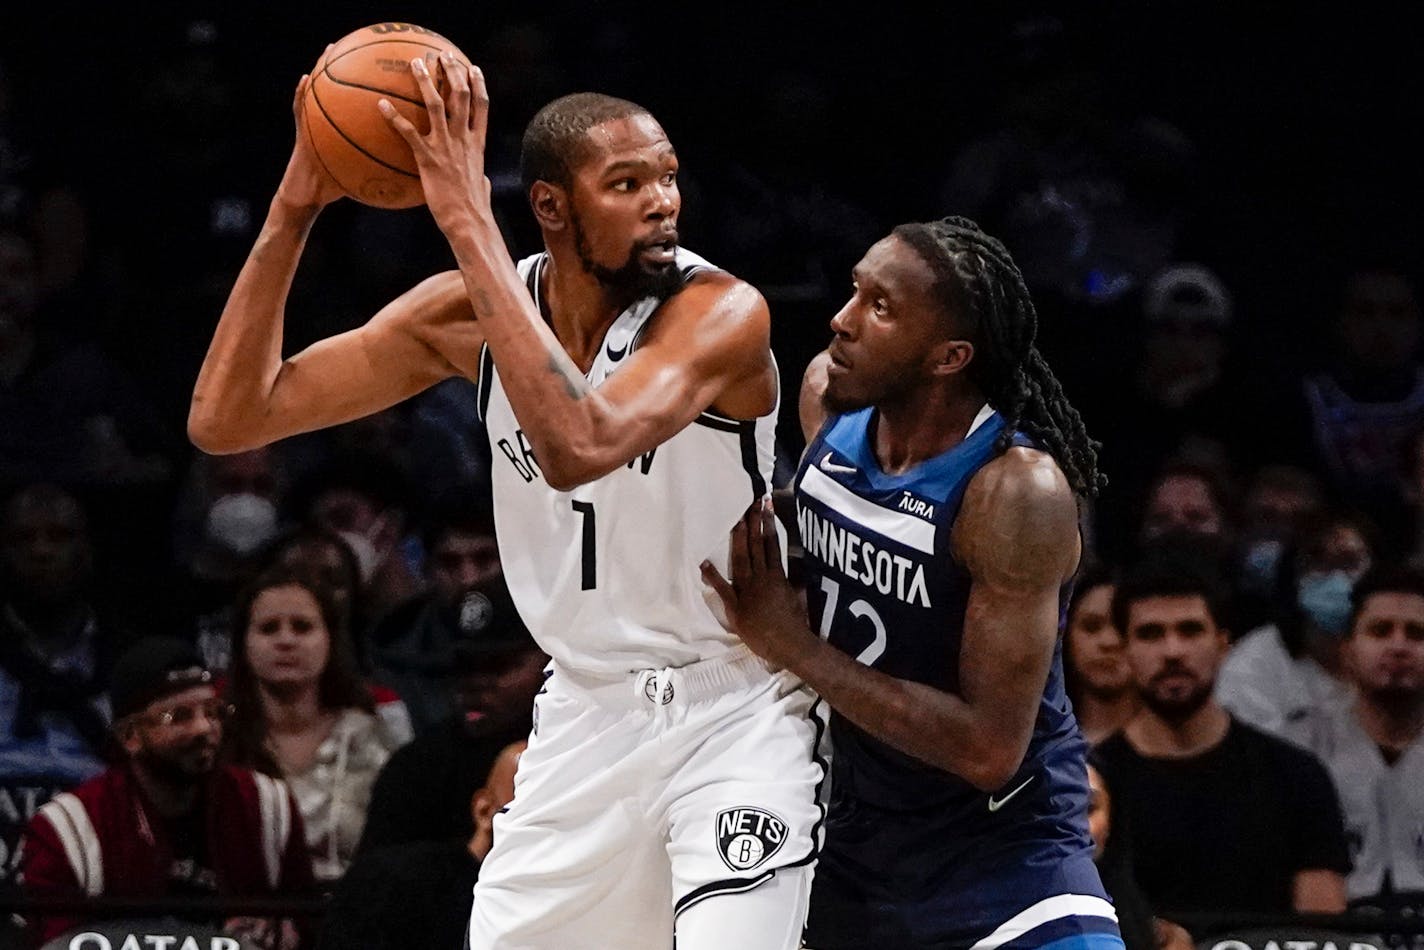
662,252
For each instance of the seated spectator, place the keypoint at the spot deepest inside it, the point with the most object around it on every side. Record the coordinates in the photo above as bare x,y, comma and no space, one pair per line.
418,894
56,648
1374,747
170,821
326,557
362,497
304,713
413,647
1140,929
1094,662
1280,501
1186,496
227,513
1281,672
1221,816
423,791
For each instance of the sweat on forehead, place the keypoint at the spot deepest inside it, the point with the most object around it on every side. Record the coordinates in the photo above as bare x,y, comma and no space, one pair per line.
557,139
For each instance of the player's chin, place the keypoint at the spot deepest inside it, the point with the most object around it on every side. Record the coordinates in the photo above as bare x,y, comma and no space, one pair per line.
839,397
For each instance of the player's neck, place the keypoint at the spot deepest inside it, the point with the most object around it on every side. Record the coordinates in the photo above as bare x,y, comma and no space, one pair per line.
1155,737
579,308
909,431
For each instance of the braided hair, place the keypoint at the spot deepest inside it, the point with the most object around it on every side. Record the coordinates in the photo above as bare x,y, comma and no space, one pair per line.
978,282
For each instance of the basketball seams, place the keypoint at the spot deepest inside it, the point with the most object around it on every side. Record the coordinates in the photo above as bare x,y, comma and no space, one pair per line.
311,91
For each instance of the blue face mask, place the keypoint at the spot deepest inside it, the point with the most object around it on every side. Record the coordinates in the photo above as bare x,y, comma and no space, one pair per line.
1325,598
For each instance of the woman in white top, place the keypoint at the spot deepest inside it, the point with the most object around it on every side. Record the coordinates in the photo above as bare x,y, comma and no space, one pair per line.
304,713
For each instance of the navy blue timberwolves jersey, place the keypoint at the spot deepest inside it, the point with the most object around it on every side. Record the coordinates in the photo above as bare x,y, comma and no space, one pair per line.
916,856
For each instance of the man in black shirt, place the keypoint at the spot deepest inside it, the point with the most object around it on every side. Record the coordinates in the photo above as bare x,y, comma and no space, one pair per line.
1222,816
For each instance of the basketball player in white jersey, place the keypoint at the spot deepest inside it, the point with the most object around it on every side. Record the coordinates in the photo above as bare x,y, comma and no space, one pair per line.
670,785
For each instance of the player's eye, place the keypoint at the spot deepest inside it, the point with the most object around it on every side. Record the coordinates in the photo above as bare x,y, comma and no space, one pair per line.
880,306
670,178
625,184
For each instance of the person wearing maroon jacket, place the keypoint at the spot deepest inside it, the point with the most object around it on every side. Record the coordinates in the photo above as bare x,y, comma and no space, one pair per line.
169,821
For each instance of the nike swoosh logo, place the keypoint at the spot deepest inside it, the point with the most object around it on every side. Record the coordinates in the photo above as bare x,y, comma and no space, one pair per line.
996,805
828,466
616,355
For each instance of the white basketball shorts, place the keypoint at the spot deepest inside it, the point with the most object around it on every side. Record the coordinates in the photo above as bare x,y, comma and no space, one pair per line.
644,796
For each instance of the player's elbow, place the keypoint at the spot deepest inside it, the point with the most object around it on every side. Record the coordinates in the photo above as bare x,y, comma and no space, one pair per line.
211,435
993,765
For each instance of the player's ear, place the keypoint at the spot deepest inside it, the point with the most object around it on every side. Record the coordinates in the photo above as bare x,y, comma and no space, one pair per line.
951,356
550,204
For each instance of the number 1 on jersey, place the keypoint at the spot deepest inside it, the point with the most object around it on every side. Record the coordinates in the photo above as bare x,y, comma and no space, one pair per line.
590,554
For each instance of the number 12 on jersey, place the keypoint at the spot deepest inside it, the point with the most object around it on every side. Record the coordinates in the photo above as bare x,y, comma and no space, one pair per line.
857,608
590,552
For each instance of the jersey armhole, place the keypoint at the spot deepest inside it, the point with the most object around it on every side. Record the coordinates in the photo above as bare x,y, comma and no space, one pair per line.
486,381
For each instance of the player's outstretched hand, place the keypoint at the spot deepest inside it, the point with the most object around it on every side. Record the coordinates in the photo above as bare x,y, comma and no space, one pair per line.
761,605
451,156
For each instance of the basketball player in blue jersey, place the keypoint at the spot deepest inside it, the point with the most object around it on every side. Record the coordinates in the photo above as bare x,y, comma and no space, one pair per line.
937,502
629,393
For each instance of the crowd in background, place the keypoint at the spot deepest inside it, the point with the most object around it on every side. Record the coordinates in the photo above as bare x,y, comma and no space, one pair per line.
1220,248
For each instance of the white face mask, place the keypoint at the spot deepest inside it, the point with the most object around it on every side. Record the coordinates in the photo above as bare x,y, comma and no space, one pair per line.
242,523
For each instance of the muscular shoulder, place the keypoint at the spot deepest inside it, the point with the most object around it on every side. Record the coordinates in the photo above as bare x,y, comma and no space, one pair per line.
1019,520
719,318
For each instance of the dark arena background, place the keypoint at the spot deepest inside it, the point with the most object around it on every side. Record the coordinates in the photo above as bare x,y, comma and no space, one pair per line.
1214,205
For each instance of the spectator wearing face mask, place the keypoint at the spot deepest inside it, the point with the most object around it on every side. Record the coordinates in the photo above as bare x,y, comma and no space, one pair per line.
1283,672
228,512
364,498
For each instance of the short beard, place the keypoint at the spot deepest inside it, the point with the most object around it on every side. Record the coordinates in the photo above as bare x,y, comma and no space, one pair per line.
170,770
1177,711
632,280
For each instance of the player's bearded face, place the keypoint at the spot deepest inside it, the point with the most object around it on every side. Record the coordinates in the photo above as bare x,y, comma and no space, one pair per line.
633,275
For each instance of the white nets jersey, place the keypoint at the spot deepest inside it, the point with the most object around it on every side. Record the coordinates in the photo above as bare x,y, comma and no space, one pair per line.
607,576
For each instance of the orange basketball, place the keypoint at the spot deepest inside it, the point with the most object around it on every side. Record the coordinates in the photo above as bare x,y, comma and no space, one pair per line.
359,149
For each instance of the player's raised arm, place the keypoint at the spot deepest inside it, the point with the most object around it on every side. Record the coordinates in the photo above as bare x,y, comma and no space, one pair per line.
810,408
707,340
248,395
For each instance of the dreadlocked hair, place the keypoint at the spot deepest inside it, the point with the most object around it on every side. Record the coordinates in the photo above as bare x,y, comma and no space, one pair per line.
980,284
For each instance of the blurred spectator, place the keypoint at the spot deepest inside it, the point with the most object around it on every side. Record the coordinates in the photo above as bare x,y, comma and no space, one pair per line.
413,647
303,711
422,792
56,649
227,512
1279,501
418,894
1221,816
1282,672
1361,410
1089,194
1188,497
325,556
364,498
1141,930
1182,403
67,412
169,821
1094,660
1374,747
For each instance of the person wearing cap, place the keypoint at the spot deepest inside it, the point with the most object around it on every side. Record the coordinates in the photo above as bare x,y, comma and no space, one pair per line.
169,821
423,792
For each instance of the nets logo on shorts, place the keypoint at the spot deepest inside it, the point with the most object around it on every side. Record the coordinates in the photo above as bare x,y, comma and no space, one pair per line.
747,836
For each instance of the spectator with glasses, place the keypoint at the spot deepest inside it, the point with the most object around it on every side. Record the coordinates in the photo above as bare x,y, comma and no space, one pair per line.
168,821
